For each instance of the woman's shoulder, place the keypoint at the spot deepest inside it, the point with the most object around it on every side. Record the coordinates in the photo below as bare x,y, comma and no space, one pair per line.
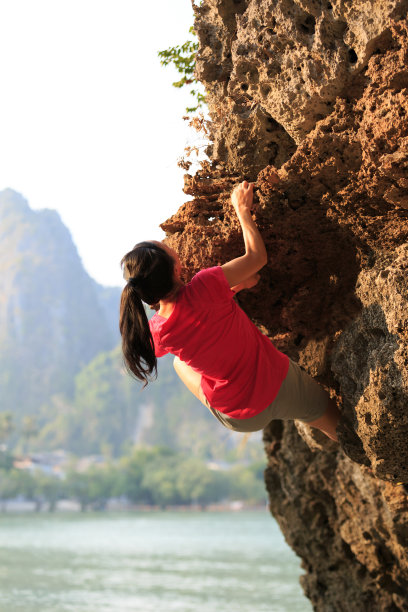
210,282
214,273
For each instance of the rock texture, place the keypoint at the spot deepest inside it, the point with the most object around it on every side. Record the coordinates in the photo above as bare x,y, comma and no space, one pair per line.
318,92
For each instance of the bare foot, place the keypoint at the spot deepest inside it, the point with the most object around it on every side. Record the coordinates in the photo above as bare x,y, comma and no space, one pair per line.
329,421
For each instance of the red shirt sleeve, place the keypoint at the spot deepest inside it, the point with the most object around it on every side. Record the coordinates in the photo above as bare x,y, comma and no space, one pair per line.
159,351
211,285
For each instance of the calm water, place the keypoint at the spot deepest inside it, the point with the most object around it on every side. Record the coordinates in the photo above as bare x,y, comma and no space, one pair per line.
145,562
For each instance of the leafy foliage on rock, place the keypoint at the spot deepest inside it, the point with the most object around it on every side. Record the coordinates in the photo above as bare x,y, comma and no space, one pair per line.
183,58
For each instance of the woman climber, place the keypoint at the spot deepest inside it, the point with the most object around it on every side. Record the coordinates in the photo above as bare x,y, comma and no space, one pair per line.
220,355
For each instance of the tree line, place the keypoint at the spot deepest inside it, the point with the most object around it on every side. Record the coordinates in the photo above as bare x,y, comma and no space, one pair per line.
147,476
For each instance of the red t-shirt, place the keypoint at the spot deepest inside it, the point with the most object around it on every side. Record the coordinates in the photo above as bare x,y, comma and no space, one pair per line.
241,369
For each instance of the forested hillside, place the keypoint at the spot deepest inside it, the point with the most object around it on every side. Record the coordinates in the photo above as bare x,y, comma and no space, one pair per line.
109,412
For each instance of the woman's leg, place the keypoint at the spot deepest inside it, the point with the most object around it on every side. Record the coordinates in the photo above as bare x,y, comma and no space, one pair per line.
329,421
190,378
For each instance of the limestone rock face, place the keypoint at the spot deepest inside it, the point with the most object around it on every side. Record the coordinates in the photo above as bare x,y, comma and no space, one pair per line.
317,91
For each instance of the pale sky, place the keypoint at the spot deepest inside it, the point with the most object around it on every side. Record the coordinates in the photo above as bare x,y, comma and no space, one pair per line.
89,122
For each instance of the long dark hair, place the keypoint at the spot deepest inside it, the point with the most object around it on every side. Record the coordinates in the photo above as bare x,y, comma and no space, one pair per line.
149,270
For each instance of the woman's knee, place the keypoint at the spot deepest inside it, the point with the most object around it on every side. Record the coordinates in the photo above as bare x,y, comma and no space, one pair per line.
176,363
190,378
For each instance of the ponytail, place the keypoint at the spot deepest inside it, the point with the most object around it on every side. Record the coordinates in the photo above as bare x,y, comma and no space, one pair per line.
149,270
137,341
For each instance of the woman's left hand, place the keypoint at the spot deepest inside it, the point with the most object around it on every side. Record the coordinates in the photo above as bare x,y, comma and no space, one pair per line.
247,283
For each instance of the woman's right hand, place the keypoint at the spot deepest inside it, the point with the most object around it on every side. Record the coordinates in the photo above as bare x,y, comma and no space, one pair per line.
240,269
242,197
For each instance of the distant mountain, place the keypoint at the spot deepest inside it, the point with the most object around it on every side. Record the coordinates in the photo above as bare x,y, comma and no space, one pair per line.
54,319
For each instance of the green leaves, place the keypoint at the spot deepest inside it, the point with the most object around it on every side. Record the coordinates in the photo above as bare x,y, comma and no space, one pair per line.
183,58
155,476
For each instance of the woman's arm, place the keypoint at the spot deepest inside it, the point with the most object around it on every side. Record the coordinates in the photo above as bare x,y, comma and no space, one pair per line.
243,268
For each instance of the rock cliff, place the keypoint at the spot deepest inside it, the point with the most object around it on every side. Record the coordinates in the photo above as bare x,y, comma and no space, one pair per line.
317,91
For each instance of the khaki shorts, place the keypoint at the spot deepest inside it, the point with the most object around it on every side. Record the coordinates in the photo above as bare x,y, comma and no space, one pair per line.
300,397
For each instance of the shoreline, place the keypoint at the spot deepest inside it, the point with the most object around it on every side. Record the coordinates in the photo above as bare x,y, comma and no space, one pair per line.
74,507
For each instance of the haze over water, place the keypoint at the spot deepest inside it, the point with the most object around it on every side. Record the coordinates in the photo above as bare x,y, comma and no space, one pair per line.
145,562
